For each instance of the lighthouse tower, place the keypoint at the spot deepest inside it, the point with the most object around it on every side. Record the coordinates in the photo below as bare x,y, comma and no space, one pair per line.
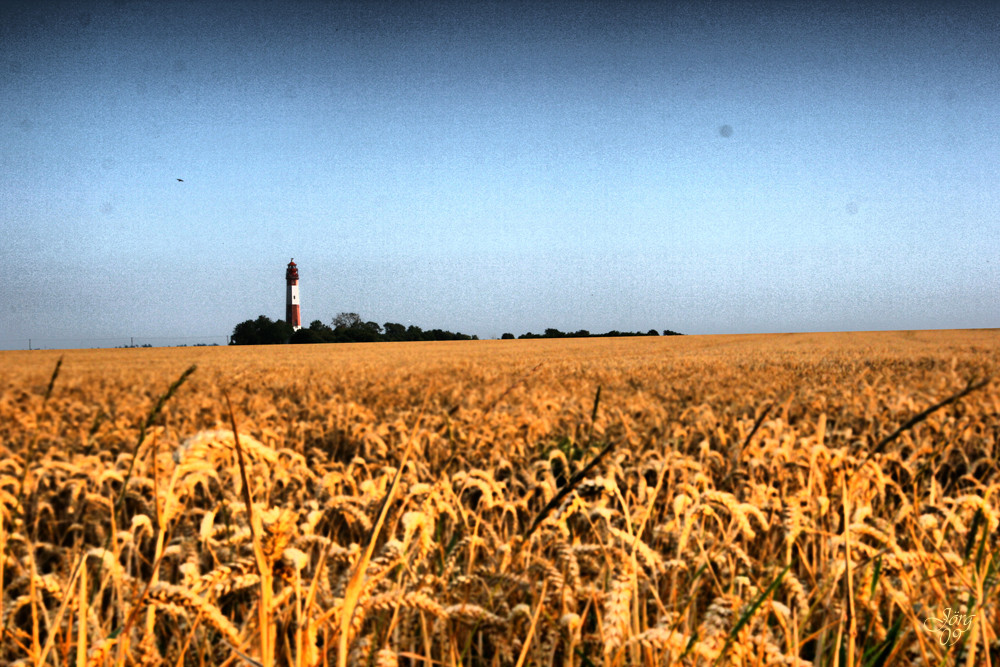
292,315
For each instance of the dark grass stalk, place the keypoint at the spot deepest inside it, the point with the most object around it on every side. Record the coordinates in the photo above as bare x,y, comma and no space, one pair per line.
28,460
593,415
150,418
566,490
756,425
575,480
597,402
970,387
121,496
737,454
247,499
52,380
263,566
876,574
98,420
30,456
970,541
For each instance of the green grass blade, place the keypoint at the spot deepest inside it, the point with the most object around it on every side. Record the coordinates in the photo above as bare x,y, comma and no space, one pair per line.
877,655
748,614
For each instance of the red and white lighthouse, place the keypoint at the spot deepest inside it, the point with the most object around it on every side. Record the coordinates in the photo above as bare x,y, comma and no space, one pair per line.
292,315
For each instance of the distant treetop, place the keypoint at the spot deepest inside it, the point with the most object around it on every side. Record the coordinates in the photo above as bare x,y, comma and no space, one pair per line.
583,333
344,328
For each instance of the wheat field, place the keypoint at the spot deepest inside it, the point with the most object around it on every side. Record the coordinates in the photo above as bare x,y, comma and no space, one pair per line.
707,500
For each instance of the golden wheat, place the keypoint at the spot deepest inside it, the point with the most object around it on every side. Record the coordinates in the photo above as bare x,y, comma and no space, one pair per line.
733,456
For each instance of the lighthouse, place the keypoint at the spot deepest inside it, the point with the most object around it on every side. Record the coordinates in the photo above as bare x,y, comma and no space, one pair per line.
292,315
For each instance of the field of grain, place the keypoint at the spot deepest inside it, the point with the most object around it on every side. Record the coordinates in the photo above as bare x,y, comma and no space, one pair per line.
731,500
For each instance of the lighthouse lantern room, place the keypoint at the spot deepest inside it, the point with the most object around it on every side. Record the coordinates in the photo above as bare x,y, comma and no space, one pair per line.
292,315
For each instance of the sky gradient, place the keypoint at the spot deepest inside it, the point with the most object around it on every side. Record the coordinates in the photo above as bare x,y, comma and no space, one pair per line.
484,168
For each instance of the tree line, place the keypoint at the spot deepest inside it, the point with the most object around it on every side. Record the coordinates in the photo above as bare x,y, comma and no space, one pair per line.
583,333
350,328
345,328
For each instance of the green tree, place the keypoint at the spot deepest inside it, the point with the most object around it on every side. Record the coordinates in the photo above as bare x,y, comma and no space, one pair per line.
366,332
394,331
261,331
307,335
324,332
346,320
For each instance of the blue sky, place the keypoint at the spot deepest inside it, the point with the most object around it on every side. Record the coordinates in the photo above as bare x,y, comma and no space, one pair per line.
491,167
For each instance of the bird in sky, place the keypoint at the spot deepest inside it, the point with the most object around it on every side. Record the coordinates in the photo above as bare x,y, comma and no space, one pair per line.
180,180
